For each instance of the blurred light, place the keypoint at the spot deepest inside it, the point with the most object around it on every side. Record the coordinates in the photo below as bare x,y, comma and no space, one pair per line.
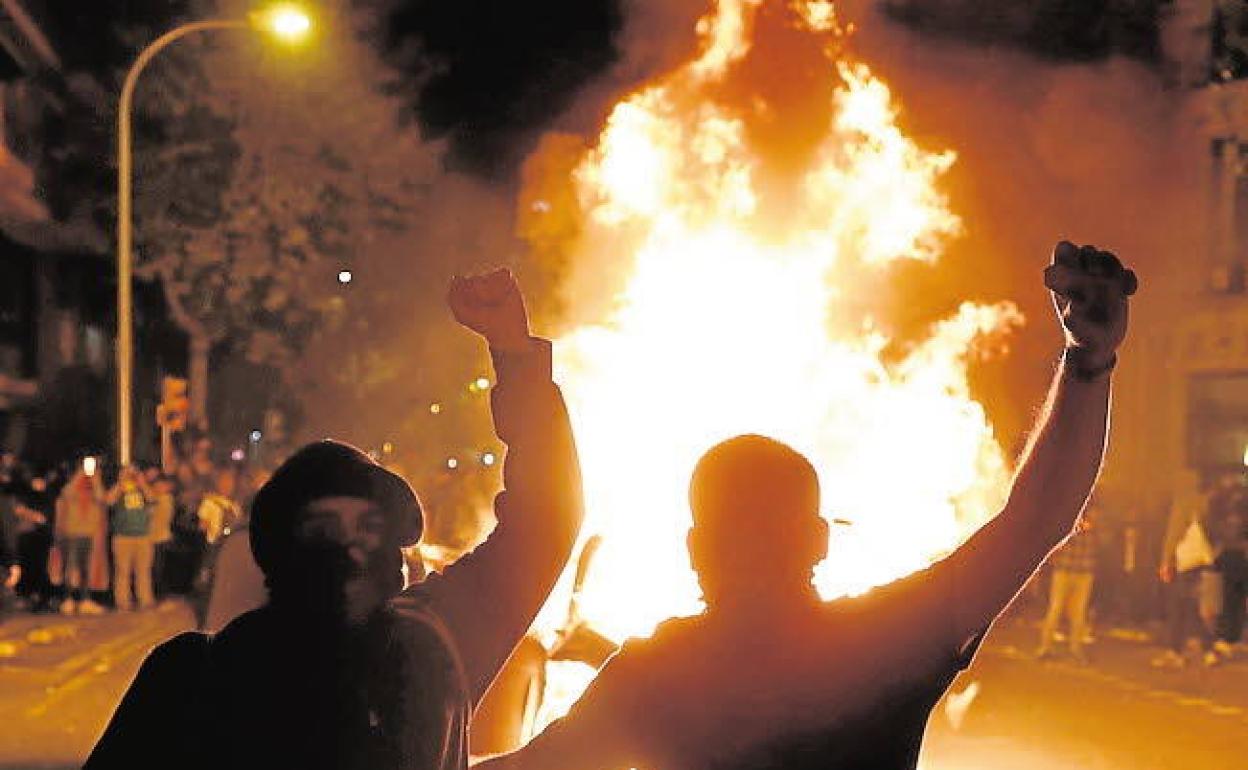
488,459
482,383
1246,456
387,447
255,436
345,277
288,22
435,408
89,465
238,455
452,463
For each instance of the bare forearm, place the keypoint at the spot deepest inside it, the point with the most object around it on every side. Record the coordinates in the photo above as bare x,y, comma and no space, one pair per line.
1063,457
1053,481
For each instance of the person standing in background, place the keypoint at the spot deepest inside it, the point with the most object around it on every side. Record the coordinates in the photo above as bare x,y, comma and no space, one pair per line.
132,546
1232,566
160,530
81,534
218,512
10,571
1070,591
33,503
1186,557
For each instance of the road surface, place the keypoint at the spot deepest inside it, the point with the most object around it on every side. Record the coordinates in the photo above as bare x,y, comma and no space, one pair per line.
61,677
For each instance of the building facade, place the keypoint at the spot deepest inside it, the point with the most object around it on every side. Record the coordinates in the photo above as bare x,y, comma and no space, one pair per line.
55,338
1182,395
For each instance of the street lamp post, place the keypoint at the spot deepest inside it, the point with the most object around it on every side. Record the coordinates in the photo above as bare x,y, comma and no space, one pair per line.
283,21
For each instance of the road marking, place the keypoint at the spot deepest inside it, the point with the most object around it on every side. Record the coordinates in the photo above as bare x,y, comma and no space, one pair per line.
84,667
1010,652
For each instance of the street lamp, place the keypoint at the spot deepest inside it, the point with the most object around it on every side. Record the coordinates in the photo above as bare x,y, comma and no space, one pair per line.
289,22
286,22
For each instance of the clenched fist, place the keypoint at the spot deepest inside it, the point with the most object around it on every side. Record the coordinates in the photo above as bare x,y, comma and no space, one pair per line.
1090,289
491,305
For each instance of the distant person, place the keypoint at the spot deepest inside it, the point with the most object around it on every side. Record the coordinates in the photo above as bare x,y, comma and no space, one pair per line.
81,536
35,504
1187,557
1070,590
338,669
217,515
237,584
130,499
1232,564
163,508
771,676
218,511
10,569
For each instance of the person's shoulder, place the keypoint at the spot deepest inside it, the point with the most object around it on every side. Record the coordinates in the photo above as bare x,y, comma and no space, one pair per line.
412,617
900,599
253,624
425,645
668,637
893,589
180,657
187,642
674,630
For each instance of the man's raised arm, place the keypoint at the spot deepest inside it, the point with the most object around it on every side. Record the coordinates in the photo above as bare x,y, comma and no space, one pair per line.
489,598
1063,456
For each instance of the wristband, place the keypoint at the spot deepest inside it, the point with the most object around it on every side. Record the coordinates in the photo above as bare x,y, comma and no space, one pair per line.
1081,373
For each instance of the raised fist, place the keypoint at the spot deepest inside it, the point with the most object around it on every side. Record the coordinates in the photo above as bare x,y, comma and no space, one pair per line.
1090,289
491,305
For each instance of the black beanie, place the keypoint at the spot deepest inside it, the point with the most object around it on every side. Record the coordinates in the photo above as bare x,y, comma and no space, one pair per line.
326,469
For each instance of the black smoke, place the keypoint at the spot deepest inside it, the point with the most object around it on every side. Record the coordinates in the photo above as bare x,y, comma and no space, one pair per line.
488,76
1071,30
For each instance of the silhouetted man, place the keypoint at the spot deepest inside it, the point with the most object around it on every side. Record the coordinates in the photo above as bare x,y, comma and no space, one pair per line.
339,669
770,676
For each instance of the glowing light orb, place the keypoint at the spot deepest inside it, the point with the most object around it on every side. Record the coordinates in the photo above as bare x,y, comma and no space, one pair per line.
288,22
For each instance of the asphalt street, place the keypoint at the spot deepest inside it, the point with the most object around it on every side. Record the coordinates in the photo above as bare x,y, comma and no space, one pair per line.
61,677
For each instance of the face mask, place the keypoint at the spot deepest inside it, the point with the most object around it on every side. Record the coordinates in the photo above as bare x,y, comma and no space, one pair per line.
318,574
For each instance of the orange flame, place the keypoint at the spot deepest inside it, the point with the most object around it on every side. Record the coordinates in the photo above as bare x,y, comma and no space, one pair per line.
722,327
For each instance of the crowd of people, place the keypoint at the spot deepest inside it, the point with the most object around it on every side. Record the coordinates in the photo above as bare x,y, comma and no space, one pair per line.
77,539
1196,592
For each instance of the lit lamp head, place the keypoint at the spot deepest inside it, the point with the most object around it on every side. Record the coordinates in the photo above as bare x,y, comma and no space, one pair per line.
285,21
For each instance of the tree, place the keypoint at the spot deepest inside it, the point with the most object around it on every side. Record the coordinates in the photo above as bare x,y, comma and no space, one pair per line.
260,276
319,172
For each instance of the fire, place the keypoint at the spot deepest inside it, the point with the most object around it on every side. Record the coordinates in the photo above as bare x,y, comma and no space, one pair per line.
721,325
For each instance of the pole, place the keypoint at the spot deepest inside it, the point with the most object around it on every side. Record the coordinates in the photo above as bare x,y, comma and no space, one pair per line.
166,448
125,299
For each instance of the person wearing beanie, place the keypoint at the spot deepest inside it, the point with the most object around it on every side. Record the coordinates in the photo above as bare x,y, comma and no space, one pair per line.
342,666
770,675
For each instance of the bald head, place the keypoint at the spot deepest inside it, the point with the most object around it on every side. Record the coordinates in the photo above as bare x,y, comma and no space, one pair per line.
751,479
757,534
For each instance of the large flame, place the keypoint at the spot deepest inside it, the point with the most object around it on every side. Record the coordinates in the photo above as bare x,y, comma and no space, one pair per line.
722,326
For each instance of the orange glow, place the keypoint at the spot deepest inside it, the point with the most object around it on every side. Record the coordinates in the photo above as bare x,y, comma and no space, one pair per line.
721,326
